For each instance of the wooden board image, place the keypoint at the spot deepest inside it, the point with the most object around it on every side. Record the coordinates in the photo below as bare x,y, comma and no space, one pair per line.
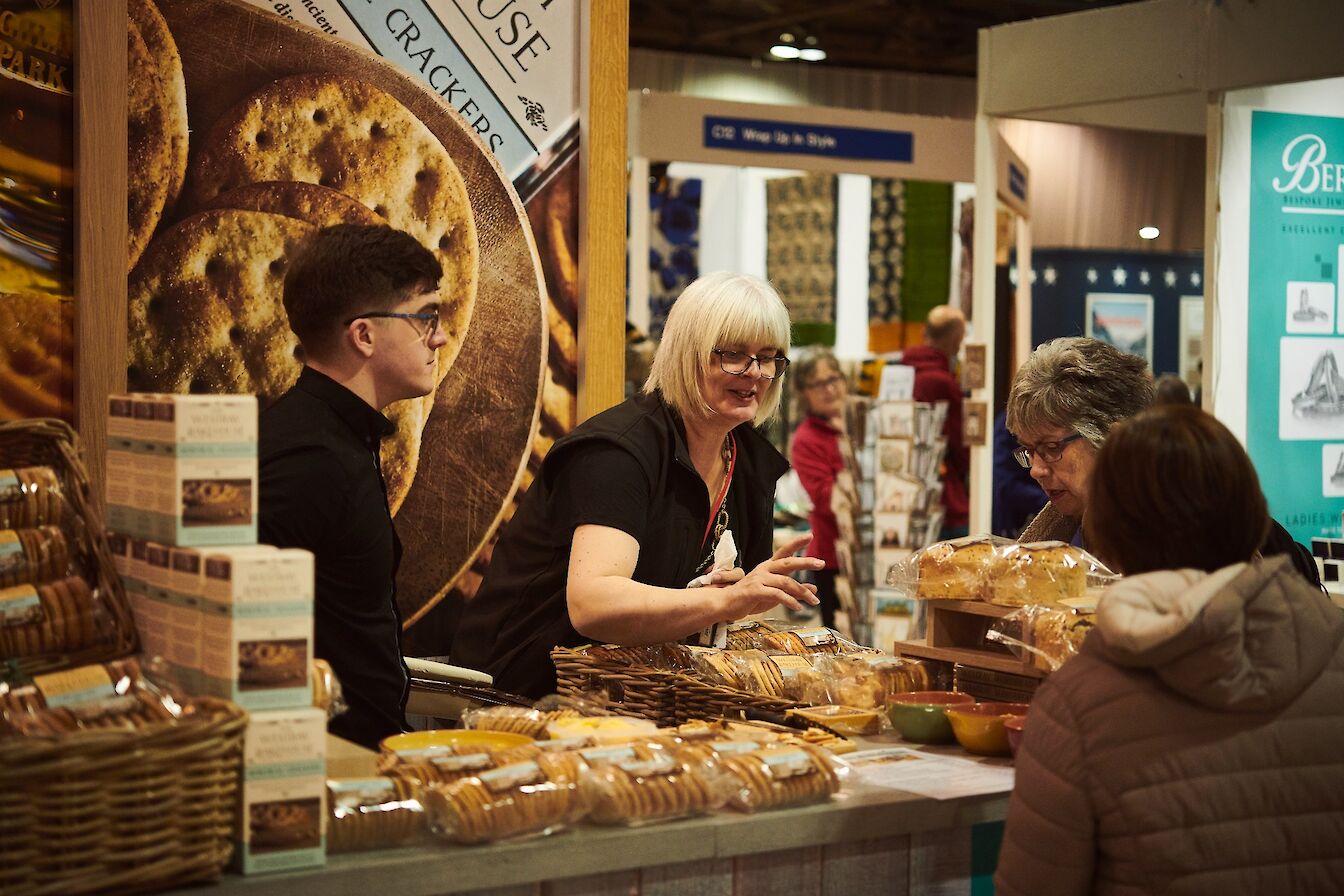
455,478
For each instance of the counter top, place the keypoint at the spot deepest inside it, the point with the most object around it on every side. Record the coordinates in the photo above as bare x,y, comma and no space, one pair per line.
860,812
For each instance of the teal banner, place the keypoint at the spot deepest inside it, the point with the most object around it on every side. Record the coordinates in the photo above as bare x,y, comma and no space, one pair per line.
1295,350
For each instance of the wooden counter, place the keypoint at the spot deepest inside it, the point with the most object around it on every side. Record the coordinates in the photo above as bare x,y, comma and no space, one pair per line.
866,840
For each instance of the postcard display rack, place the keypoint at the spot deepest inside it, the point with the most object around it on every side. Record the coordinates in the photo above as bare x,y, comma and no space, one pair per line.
888,505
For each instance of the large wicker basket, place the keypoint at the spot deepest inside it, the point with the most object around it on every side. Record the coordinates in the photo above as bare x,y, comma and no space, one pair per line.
668,698
121,811
54,444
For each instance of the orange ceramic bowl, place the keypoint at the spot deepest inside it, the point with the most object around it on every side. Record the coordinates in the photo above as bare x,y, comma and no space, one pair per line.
1015,725
979,728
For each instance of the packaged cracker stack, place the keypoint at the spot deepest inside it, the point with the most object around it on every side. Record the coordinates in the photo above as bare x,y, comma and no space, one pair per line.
182,469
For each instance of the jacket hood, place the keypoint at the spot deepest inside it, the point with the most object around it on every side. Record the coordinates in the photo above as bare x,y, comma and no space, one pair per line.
926,357
1250,637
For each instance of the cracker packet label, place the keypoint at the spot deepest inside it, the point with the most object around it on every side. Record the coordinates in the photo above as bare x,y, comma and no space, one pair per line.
74,686
106,706
1085,604
815,637
9,543
744,626
468,763
20,605
510,776
349,795
789,666
430,753
733,747
788,763
607,755
10,487
662,764
564,744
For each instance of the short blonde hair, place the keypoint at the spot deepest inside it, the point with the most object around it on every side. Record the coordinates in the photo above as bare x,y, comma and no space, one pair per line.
718,309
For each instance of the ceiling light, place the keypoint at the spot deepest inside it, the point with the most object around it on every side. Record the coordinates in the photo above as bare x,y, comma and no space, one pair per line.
1149,233
812,54
784,51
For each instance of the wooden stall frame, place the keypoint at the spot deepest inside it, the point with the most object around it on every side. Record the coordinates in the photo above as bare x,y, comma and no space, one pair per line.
100,221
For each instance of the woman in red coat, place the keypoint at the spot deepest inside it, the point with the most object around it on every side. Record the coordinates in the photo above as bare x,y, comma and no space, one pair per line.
816,456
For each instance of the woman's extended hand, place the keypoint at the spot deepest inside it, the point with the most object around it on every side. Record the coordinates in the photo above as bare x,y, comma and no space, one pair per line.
771,584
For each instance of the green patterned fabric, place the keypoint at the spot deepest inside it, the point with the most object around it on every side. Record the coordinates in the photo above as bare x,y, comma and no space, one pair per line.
928,248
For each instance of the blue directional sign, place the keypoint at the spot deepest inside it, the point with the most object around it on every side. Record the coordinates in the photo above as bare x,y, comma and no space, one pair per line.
757,135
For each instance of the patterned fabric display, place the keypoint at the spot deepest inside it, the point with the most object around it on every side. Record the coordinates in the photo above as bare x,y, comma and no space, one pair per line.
800,254
674,244
886,250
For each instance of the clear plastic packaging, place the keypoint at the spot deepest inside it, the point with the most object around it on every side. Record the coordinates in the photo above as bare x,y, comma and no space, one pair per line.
715,666
1045,573
59,616
660,788
515,719
327,693
947,570
33,556
781,775
785,676
866,680
747,635
1045,636
509,801
999,571
30,496
371,813
102,695
810,642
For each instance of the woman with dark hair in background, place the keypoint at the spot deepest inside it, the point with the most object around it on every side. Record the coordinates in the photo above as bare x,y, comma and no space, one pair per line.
815,454
1196,743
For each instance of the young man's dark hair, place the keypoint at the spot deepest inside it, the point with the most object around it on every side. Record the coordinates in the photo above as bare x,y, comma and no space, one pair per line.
349,268
364,302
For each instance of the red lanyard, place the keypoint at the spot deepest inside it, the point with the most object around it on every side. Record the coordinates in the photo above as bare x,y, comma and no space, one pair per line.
723,493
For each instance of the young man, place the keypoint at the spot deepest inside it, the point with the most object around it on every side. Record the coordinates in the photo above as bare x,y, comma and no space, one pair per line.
364,303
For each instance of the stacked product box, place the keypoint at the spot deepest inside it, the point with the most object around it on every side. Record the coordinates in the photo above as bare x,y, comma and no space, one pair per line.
182,469
284,791
226,617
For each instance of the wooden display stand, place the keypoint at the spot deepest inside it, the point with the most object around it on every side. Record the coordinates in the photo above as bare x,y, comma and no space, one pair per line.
956,634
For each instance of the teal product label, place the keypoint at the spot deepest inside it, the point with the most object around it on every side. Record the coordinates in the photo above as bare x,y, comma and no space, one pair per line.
9,543
257,862
255,699
201,449
1295,350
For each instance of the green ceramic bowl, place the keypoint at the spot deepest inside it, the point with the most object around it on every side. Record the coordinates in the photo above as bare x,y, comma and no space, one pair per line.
919,715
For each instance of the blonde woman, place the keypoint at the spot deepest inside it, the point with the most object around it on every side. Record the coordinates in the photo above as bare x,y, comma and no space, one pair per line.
630,507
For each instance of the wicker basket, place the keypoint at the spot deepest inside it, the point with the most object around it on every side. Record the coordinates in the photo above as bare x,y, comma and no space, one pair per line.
54,444
121,811
668,698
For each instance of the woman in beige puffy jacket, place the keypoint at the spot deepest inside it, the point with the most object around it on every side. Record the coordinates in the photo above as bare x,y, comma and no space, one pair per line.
1196,743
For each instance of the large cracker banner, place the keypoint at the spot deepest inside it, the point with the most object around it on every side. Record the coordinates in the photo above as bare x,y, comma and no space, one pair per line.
252,124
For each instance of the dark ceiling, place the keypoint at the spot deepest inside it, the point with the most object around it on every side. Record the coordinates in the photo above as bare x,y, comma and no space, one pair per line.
930,36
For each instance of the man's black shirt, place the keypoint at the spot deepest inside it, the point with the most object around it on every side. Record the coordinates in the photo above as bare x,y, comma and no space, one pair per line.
322,489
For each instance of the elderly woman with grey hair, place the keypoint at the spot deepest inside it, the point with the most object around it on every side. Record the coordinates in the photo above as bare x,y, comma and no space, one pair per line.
647,496
1061,406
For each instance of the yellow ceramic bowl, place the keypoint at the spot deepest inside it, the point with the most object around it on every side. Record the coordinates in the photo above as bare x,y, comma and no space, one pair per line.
424,740
979,728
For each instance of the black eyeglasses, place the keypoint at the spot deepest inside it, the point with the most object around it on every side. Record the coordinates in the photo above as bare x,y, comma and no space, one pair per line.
827,383
1050,452
738,363
429,318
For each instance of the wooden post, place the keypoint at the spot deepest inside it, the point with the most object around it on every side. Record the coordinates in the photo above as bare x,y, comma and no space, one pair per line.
602,198
100,221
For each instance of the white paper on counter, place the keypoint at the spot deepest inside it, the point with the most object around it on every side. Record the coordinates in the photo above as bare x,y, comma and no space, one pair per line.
936,777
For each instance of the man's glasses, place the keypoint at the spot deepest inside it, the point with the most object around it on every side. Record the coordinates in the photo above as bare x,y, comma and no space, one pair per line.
827,383
1050,452
738,363
426,323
